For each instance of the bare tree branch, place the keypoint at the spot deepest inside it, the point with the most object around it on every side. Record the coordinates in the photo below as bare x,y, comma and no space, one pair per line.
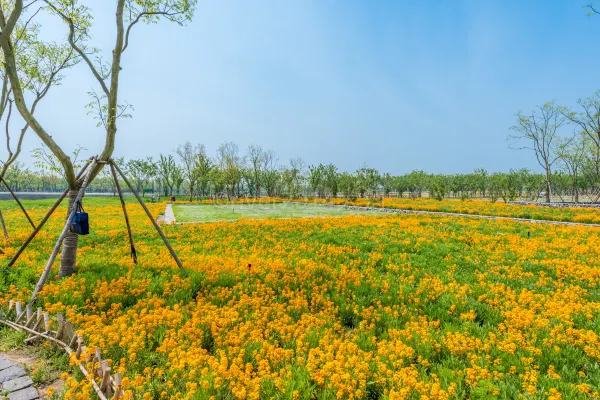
77,48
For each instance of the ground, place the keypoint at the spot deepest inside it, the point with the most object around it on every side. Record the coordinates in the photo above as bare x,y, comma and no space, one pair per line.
43,362
232,211
356,306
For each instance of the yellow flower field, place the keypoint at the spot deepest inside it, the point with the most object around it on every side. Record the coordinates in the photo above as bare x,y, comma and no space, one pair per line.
353,307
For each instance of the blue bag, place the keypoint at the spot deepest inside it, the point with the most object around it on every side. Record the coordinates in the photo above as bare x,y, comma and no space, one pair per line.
80,224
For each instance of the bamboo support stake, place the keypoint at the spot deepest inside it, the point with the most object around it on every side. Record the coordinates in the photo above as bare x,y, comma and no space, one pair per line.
3,225
44,276
45,219
149,214
18,202
131,243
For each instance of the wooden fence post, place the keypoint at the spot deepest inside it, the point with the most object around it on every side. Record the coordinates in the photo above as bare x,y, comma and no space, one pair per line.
105,386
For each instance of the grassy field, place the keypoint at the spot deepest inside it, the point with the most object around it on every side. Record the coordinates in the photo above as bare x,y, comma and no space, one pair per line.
230,212
353,307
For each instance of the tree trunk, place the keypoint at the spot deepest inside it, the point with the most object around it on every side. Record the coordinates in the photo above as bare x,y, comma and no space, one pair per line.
68,258
547,184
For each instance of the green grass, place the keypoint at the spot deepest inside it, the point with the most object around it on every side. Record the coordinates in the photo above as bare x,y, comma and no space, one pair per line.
229,212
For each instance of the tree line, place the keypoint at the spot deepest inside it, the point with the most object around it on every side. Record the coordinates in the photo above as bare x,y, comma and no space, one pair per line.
192,173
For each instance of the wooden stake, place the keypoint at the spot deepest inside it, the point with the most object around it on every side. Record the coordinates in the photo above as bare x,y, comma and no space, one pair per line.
149,214
61,327
79,346
20,311
45,219
48,266
118,383
18,202
105,375
3,225
114,174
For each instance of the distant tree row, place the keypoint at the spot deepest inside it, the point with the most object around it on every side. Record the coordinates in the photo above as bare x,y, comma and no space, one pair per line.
192,173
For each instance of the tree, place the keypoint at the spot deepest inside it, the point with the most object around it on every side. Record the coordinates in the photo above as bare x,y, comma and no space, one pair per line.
400,184
504,185
256,161
481,178
588,119
316,177
141,172
170,174
14,175
78,18
230,164
438,187
591,168
202,172
416,183
571,155
530,183
540,132
271,176
330,179
189,155
296,171
46,160
348,185
387,182
592,8
217,179
368,180
40,66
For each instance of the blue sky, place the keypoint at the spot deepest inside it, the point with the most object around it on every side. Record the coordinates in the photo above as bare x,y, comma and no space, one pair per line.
395,85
